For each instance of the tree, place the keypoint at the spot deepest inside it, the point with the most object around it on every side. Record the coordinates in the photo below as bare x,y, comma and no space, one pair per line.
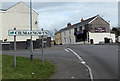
116,31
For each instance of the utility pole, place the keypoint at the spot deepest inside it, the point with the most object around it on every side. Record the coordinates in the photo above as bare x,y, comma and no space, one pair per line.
31,42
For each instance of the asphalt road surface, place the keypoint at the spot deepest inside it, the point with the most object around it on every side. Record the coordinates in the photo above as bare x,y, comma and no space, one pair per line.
102,59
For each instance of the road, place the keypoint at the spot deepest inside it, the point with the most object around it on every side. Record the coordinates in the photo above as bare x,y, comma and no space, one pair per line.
102,59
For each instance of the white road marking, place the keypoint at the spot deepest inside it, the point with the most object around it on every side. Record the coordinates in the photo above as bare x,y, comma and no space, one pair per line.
72,77
75,54
66,50
83,62
90,71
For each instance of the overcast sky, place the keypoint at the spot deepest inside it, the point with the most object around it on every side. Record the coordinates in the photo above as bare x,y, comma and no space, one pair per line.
55,15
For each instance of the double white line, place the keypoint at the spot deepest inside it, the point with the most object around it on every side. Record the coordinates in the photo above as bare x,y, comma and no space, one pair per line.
82,61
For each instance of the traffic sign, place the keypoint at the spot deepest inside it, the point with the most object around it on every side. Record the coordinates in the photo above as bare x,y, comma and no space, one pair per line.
28,33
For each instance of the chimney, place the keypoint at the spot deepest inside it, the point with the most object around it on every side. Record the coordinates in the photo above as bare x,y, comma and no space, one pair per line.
82,19
69,25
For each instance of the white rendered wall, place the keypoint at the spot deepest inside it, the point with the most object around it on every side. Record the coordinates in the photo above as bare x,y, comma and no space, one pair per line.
62,37
99,37
68,35
118,38
18,17
65,37
73,41
0,25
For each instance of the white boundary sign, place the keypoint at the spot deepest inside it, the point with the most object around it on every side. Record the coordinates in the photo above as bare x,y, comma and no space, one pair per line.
27,33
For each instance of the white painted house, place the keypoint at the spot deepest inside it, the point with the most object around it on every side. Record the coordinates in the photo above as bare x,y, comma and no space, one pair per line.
68,36
92,30
17,16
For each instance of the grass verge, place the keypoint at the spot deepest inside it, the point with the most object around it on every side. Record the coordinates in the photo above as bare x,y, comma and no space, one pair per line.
26,69
0,66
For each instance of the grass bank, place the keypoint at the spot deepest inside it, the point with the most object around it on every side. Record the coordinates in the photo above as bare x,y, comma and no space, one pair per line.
26,69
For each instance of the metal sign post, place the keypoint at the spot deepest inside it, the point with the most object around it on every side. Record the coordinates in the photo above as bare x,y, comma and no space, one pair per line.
14,50
31,42
42,50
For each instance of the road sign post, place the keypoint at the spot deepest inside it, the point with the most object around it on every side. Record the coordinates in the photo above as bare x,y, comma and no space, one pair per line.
42,50
14,50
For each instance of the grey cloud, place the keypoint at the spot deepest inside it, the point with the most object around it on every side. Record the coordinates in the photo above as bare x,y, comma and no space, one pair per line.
43,5
75,11
58,14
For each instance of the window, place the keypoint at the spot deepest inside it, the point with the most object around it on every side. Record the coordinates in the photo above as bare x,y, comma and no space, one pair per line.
83,27
78,29
65,40
64,33
69,31
70,39
75,29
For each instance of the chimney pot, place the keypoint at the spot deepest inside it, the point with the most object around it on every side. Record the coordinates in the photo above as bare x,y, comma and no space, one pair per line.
69,24
82,19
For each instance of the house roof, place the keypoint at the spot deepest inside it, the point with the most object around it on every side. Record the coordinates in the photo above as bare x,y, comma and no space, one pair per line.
82,23
60,31
2,10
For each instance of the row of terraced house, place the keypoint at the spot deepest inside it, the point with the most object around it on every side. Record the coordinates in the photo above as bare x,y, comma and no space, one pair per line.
93,30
